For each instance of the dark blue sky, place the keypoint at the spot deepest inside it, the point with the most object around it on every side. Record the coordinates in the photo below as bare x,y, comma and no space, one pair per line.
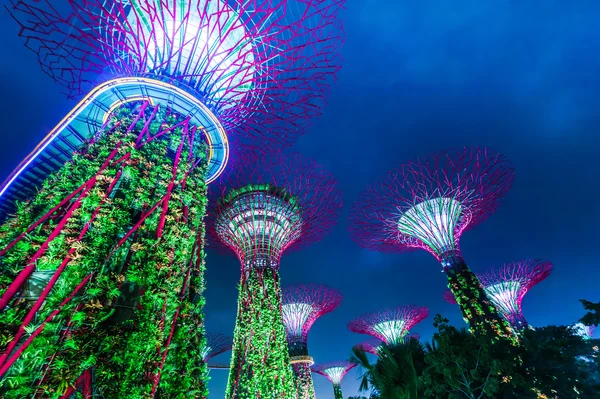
419,76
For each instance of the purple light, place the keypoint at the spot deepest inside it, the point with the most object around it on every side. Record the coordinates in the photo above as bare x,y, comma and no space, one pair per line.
429,202
389,325
507,285
334,371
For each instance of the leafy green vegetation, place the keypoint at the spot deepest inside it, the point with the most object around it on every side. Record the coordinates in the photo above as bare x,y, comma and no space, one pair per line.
550,363
134,236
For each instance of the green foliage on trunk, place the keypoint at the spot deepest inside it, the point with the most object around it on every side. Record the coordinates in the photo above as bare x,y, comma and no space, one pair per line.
337,391
304,383
260,363
124,180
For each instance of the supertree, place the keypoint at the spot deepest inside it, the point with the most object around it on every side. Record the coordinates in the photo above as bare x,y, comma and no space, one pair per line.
108,253
268,206
449,297
372,345
114,228
506,286
216,344
302,306
585,332
428,203
334,372
391,325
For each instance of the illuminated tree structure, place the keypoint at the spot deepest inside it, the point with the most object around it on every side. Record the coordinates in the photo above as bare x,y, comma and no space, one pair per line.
102,268
390,325
215,345
334,372
372,345
428,203
507,285
449,297
268,207
302,306
585,332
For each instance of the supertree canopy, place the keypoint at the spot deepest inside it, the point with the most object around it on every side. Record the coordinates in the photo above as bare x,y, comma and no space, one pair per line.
268,206
215,345
334,372
506,286
106,251
390,325
585,332
302,305
449,297
372,345
428,203
255,71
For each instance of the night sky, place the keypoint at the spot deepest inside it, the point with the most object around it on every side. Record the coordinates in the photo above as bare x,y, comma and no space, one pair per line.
419,76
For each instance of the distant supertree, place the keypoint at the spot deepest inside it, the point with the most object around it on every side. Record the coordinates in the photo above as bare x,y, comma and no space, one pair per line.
216,344
372,345
449,297
267,207
506,286
334,372
428,204
585,332
390,325
302,305
112,230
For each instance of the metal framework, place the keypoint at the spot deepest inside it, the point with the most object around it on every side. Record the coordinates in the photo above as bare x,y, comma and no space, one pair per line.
334,372
302,306
266,207
271,204
507,285
261,67
216,344
390,325
428,203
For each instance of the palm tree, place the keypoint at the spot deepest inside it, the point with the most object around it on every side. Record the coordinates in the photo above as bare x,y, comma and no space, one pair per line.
395,374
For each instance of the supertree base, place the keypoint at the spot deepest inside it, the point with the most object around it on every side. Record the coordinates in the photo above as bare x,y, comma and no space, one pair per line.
119,232
260,363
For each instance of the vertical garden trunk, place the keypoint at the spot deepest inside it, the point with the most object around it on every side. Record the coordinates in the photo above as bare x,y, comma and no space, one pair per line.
304,383
337,391
121,228
478,311
260,363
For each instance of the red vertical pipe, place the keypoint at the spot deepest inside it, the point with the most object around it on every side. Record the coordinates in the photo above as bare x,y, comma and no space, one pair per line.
18,353
14,287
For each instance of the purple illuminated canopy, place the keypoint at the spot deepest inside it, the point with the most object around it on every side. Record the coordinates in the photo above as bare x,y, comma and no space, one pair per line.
262,67
428,203
334,371
389,325
507,285
303,304
267,205
216,344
